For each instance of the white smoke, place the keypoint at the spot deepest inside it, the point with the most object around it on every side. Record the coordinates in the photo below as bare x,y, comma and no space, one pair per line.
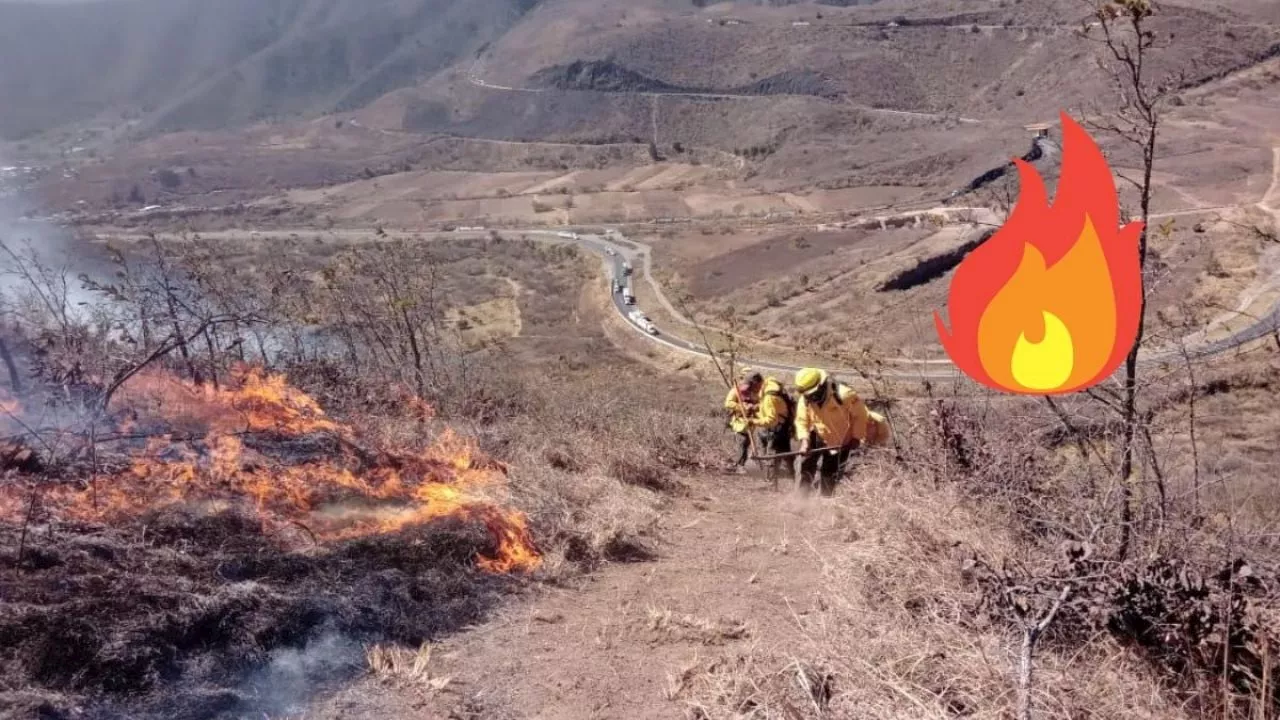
37,240
292,675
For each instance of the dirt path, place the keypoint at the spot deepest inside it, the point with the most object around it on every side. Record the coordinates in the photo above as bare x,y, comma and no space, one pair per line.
739,566
1270,202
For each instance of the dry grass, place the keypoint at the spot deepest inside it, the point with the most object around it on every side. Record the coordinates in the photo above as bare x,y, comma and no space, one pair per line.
894,631
673,627
394,663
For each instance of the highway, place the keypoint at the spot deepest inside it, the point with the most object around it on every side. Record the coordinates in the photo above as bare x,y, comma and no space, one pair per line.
900,369
906,370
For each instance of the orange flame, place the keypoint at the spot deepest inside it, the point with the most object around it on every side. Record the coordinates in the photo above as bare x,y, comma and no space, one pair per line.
1051,303
257,402
449,478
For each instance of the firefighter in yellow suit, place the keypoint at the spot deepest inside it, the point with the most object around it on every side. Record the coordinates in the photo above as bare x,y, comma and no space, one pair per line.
831,416
772,422
741,404
760,404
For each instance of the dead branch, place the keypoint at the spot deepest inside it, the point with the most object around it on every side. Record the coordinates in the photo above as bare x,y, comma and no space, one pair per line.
1030,636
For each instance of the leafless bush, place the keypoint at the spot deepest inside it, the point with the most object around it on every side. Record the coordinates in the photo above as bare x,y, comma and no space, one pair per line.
1197,605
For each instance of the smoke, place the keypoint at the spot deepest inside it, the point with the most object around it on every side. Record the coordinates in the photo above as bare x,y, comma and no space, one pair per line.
36,239
292,675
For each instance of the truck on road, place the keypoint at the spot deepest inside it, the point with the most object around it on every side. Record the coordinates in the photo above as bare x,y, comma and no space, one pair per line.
626,268
627,297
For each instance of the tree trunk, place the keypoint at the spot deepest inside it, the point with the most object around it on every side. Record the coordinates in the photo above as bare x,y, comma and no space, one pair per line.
1130,415
14,379
412,334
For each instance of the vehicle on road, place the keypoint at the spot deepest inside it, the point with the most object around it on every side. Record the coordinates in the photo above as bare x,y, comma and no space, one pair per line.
617,287
627,297
649,327
611,252
626,268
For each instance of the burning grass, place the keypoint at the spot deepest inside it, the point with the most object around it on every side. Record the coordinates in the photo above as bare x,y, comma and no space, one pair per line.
224,522
266,446
229,526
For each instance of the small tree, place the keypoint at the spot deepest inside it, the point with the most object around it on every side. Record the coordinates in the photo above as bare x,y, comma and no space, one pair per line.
168,179
1128,44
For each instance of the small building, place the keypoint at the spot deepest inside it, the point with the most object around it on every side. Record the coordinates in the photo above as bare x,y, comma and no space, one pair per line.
1040,130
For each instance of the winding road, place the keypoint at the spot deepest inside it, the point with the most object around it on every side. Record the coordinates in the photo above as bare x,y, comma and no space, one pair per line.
614,251
640,255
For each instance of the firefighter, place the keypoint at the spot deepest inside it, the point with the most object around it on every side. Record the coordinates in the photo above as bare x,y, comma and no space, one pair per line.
773,420
829,416
741,403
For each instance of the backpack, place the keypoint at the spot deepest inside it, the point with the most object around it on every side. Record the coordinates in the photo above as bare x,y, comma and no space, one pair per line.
879,432
786,399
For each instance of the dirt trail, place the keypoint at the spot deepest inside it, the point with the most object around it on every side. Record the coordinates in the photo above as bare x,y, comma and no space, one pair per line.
739,566
1270,202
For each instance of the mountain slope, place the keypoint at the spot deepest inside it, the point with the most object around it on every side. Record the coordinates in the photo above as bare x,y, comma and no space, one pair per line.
191,64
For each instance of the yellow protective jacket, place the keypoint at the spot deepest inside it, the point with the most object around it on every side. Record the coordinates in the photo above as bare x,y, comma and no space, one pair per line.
739,420
837,422
772,410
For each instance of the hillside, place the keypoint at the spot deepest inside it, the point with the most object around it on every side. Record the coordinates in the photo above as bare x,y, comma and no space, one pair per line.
152,65
166,64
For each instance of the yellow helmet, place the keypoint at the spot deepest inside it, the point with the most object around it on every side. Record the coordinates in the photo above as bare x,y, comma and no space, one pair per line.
809,379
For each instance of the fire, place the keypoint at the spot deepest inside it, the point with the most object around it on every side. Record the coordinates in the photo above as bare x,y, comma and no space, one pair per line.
228,464
1051,303
256,402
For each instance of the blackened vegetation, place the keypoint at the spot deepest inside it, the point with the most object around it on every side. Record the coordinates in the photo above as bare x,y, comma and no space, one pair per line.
601,76
169,616
198,611
934,267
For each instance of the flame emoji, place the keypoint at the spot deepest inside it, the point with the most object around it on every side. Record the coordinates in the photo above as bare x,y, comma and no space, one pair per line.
1051,303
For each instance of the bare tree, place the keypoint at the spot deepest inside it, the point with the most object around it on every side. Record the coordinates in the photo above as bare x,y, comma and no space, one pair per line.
730,350
1129,43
